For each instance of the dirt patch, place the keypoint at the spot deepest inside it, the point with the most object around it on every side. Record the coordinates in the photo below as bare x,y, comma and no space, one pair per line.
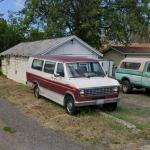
136,99
88,127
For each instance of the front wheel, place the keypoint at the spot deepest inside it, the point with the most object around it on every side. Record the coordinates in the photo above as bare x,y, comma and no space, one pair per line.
126,86
148,90
69,106
110,106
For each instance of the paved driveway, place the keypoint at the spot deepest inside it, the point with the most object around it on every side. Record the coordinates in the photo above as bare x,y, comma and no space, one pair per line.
29,135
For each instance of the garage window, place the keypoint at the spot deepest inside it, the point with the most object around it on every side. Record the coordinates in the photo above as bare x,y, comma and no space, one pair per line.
37,64
130,65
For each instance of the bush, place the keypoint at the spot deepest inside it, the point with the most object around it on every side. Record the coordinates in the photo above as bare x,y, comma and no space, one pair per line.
1,73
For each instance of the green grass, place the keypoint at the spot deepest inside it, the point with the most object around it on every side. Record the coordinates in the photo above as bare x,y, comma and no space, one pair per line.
9,129
115,127
128,114
138,117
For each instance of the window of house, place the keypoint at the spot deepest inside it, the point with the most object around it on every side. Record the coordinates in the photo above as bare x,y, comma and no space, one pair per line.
130,65
60,69
49,67
37,64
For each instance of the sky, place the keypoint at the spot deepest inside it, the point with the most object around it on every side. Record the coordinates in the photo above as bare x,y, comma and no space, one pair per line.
10,5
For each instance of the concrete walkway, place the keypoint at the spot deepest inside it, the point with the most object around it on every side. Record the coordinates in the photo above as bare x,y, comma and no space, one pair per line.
29,135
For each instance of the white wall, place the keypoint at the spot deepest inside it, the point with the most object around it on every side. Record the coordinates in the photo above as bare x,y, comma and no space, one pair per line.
107,66
74,48
15,68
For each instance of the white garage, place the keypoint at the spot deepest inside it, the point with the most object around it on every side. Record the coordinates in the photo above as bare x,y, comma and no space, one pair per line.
14,60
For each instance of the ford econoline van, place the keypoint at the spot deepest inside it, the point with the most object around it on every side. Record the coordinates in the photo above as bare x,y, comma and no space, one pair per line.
72,82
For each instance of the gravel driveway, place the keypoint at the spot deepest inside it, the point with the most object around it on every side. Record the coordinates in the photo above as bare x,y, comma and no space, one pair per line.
29,135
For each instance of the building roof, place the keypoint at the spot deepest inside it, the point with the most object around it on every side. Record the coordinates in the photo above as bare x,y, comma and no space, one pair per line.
43,47
64,58
134,48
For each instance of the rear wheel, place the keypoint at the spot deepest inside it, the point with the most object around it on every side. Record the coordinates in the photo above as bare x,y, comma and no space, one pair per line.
69,105
110,106
148,90
36,91
126,86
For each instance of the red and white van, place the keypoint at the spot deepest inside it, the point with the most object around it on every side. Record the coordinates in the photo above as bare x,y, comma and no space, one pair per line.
72,82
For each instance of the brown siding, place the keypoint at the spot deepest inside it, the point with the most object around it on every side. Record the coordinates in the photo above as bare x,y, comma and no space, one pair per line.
114,56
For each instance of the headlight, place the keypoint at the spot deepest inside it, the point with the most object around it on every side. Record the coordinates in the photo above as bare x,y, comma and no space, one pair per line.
81,93
116,89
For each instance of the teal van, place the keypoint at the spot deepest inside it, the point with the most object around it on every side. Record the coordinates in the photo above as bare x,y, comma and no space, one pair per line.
134,73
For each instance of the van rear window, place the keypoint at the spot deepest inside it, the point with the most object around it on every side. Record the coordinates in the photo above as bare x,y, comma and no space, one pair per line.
37,64
130,65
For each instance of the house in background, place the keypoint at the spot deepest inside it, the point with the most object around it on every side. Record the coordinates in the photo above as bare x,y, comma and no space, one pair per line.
116,53
14,60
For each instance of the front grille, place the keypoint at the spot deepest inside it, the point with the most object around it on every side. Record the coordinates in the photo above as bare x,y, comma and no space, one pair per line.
102,91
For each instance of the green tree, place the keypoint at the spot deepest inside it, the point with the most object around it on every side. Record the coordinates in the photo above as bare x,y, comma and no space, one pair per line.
8,36
35,34
120,19
95,21
61,18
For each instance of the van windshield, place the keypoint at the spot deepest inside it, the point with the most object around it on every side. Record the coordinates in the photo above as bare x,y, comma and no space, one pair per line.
85,69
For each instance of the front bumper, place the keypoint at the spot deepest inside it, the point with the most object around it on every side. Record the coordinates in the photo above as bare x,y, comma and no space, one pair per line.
97,102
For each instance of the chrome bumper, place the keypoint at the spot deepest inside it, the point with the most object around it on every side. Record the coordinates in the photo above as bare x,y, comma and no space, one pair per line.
97,102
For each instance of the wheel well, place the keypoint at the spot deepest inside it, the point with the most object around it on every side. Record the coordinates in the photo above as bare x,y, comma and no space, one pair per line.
123,79
35,84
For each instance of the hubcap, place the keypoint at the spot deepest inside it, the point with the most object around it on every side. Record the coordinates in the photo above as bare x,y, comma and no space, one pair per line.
69,106
125,88
36,92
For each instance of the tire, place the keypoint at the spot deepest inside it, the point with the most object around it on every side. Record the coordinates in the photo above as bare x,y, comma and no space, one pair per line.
69,105
147,90
126,86
110,106
36,91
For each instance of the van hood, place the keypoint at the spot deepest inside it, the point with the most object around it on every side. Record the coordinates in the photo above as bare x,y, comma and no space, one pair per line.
93,82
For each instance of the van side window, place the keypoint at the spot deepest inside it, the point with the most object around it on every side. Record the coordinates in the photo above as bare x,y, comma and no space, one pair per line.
49,67
60,69
37,64
148,68
130,65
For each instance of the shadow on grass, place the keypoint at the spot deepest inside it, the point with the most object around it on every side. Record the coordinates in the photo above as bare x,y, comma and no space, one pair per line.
139,92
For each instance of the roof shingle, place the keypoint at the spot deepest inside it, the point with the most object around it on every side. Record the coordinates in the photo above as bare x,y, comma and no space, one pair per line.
139,48
32,48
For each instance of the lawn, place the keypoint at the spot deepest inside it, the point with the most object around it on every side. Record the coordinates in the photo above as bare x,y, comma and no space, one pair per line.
88,127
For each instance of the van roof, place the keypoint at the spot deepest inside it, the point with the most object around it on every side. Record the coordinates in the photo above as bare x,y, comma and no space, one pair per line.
64,58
